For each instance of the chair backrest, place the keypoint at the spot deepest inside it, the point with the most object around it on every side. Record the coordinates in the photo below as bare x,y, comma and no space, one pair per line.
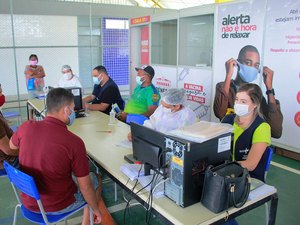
269,155
22,181
137,118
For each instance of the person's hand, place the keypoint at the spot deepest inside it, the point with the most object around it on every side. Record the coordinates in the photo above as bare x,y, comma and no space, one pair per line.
122,116
87,105
229,65
97,218
0,91
268,77
129,136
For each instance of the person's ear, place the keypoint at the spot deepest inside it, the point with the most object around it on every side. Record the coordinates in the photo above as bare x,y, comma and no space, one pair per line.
177,107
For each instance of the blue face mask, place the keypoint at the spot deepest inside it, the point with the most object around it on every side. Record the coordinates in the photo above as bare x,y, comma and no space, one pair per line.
96,80
71,117
247,73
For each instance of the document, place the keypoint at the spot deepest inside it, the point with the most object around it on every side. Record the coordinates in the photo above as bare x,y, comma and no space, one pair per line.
158,186
124,144
133,171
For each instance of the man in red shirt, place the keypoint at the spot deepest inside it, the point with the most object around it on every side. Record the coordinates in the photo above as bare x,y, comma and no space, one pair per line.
53,155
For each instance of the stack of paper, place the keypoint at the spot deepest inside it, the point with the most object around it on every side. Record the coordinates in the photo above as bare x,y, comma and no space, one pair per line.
124,144
202,131
132,171
145,182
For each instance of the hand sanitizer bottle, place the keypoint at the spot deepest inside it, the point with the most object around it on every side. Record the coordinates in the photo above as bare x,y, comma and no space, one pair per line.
112,116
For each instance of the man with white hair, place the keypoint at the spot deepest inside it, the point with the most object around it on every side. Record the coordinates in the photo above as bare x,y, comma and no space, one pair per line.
171,114
68,79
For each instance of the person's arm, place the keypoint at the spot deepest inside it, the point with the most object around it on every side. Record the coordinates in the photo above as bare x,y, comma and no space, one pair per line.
223,93
254,156
273,113
12,145
88,98
97,107
150,111
39,73
89,194
5,147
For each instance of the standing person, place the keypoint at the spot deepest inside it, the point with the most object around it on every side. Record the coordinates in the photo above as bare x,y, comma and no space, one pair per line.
68,79
56,157
105,93
251,134
248,64
34,75
145,97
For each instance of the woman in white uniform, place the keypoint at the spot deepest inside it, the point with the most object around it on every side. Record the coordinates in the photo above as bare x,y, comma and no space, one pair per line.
68,79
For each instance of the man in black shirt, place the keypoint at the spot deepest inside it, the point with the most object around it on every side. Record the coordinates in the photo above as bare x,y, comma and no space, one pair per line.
105,92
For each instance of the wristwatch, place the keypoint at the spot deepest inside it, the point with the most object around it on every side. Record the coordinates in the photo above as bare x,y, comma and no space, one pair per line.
270,92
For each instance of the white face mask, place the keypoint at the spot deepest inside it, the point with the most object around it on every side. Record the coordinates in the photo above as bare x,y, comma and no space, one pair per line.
241,109
139,80
166,110
67,76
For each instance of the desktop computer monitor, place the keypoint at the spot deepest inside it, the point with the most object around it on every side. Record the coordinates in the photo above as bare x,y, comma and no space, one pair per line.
148,147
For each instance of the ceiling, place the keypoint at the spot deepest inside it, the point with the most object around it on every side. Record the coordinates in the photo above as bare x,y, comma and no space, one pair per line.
165,4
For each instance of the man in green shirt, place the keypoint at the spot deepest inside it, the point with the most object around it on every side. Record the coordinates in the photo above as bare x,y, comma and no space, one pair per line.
145,97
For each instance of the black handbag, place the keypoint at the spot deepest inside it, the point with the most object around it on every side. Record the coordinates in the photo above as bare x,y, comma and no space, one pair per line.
224,186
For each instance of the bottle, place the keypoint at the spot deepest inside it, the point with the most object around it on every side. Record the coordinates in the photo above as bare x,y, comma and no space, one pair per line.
116,108
112,116
30,84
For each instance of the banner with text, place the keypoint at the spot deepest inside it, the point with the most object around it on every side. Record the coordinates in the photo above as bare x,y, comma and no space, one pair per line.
282,55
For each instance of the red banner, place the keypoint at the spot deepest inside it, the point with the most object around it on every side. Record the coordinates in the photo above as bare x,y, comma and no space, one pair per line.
139,20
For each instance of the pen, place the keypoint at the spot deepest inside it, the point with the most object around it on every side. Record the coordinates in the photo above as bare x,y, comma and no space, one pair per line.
104,131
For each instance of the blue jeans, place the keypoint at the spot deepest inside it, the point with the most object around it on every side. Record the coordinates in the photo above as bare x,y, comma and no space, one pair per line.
78,196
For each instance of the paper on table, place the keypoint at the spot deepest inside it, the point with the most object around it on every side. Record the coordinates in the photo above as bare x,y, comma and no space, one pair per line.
124,144
261,191
132,170
202,131
159,190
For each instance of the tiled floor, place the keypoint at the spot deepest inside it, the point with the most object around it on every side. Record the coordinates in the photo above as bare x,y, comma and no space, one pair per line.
285,180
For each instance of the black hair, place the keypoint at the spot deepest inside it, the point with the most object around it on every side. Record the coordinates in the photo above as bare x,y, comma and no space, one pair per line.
100,69
58,98
247,48
33,55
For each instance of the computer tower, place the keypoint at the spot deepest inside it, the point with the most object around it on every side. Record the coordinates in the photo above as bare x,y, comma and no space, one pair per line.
187,161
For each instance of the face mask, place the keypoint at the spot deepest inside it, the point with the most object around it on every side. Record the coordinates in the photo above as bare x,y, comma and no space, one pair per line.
139,80
241,109
97,80
67,76
166,110
247,73
71,117
33,62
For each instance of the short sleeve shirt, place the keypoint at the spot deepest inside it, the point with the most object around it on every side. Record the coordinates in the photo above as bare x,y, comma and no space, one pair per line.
5,131
141,99
51,154
109,93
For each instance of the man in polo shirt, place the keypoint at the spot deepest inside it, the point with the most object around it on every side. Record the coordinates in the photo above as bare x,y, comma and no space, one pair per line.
145,97
52,155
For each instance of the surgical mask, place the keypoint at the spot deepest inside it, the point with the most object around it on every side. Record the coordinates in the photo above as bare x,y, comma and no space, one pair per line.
71,117
33,62
97,80
166,110
139,80
247,73
67,76
241,109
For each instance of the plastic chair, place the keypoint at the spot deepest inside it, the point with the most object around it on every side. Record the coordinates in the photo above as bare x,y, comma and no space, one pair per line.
2,173
26,184
137,118
269,158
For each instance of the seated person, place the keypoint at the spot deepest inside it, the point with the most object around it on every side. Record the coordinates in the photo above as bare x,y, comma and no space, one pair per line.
171,114
252,135
105,93
145,97
68,79
58,163
2,99
6,153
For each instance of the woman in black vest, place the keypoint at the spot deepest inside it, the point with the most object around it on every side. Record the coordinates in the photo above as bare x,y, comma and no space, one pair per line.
252,135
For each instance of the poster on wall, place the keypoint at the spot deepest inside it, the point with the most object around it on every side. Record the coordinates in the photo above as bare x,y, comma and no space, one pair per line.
165,78
238,26
145,45
197,84
282,54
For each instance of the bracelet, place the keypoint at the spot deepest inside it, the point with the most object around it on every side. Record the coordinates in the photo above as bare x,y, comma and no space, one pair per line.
270,92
